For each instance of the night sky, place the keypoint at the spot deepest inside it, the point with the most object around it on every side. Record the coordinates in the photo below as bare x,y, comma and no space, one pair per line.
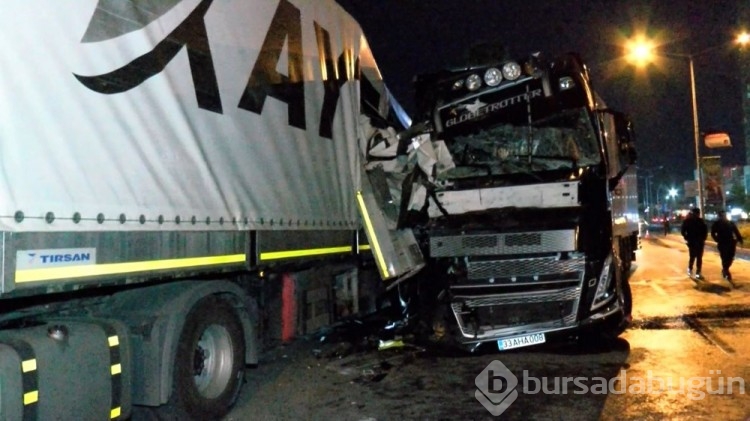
409,37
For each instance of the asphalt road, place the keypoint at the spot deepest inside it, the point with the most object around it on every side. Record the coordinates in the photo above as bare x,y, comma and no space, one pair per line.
685,357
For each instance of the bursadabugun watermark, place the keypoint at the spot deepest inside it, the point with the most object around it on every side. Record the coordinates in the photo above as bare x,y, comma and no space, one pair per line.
694,388
498,387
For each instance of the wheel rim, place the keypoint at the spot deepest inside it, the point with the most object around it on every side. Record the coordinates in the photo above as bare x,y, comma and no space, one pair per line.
212,361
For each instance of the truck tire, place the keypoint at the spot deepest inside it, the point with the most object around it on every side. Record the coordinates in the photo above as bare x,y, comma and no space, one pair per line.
209,363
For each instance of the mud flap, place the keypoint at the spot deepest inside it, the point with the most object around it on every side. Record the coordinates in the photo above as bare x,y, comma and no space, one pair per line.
396,251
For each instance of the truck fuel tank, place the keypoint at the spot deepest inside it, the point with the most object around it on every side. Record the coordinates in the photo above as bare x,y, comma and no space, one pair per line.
65,369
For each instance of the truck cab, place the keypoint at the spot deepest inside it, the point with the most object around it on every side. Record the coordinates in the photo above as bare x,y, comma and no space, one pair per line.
528,213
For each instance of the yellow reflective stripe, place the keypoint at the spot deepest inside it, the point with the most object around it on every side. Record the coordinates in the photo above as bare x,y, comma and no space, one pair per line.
30,397
28,365
113,341
364,247
372,237
115,412
116,369
65,272
273,255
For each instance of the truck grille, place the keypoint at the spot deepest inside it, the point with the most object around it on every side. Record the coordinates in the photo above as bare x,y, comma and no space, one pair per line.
513,282
486,317
496,317
521,268
502,244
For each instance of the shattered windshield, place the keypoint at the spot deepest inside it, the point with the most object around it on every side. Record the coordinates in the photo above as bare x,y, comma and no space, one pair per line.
564,141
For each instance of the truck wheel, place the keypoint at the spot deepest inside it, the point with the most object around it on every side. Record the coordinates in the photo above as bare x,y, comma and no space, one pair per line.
209,363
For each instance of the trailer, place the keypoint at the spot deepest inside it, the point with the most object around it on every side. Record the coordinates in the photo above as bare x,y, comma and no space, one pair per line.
160,163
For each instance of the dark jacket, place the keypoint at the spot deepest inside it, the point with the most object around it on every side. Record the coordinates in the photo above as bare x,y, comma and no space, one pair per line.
694,230
725,232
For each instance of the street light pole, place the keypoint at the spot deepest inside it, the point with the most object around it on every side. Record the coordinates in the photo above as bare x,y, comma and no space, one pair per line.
696,134
641,53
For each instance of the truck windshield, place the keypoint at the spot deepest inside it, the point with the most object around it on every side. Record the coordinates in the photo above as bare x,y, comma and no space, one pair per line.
563,141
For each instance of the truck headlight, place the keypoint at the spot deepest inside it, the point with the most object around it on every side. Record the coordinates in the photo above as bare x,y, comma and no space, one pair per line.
604,290
493,76
473,82
511,70
567,82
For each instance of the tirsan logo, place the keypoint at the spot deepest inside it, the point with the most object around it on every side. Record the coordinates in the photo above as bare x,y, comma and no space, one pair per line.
113,18
65,258
32,259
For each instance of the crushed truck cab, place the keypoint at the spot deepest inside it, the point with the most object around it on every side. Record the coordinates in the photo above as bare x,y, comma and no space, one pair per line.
522,195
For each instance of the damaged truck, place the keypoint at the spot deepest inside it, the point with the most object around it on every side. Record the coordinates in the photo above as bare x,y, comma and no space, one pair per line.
521,190
163,166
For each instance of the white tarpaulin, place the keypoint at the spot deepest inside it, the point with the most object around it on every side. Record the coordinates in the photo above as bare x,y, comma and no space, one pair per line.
228,110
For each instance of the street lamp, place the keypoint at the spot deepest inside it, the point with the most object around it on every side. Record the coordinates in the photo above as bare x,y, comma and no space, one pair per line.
641,52
672,194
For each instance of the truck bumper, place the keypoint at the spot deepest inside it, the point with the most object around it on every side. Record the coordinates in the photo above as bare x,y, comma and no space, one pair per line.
608,320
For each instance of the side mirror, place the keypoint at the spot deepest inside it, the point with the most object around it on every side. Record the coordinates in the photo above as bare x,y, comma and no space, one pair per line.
625,137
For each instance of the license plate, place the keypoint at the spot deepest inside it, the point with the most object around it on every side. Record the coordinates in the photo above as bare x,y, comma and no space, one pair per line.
520,341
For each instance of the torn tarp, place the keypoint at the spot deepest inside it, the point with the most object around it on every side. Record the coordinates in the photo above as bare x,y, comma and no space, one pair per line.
430,158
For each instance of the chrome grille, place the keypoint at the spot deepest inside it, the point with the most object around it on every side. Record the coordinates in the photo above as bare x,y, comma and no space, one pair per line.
497,317
523,267
486,317
502,244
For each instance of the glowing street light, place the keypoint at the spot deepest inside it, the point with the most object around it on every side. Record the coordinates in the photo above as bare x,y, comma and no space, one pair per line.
641,52
673,195
743,39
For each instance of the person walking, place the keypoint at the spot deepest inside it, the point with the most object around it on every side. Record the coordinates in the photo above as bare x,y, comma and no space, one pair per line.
695,231
726,235
666,225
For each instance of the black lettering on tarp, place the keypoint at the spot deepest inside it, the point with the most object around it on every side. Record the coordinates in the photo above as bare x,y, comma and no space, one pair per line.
192,34
266,81
333,78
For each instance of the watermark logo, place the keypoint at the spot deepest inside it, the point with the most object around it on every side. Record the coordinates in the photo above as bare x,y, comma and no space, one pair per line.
694,388
496,388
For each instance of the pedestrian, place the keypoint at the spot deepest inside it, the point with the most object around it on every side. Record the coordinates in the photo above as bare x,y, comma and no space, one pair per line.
695,231
726,235
666,226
